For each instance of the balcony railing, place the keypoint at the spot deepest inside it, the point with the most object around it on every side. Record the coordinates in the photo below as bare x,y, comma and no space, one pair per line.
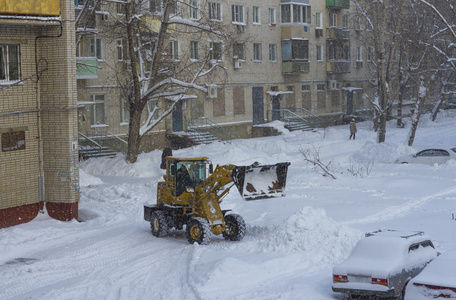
86,68
338,3
294,67
337,33
342,66
30,8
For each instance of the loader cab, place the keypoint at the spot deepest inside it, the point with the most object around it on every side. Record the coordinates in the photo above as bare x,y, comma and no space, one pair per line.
186,173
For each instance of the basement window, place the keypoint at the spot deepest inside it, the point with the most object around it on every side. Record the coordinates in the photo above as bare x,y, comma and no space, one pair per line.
12,141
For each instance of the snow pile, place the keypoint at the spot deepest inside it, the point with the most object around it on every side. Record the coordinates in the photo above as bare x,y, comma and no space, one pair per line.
87,180
148,165
322,240
381,153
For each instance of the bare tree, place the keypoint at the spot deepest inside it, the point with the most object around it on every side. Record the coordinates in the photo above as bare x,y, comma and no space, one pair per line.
155,84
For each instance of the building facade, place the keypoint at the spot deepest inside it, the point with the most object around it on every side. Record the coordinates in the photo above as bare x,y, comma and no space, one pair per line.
38,111
299,55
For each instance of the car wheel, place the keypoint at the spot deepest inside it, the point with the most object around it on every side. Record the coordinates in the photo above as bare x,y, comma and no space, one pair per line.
235,228
198,230
158,224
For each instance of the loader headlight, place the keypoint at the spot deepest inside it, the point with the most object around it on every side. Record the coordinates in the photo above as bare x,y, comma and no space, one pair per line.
189,189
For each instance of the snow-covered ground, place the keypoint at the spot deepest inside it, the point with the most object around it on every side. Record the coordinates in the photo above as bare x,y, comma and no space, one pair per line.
291,244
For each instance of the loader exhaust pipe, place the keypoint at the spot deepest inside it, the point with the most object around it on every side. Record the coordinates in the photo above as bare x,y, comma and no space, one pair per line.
261,181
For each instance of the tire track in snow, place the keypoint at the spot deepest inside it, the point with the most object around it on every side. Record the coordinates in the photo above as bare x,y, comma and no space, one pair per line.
395,211
113,260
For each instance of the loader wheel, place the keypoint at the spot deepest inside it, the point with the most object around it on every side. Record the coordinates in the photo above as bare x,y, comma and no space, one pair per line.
158,224
198,230
235,228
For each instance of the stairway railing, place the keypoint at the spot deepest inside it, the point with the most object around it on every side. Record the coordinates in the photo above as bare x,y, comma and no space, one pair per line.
108,139
295,115
205,125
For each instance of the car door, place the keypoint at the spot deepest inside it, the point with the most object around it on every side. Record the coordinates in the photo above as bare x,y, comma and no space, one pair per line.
424,157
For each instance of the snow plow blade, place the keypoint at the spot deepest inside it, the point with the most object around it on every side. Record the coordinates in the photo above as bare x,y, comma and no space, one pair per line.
261,181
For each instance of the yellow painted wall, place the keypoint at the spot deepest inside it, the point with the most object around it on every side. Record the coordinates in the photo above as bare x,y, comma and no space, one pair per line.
30,7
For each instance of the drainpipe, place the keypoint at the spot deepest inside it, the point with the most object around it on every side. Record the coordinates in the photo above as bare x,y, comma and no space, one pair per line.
41,189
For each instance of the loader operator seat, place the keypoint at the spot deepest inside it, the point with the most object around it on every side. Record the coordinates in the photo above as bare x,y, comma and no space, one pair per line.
183,180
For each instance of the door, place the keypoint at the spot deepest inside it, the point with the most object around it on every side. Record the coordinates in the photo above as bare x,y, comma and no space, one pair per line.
276,107
258,105
178,124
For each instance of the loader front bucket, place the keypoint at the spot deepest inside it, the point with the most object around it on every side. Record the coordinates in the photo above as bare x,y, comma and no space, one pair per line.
261,181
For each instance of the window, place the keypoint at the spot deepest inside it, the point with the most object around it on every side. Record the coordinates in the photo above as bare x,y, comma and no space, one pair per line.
10,62
295,50
155,6
12,141
217,50
272,52
359,53
194,9
295,13
319,53
174,50
370,53
332,20
239,51
98,110
120,8
256,15
319,19
237,13
305,87
272,16
345,21
321,87
120,51
257,55
215,11
96,48
124,111
195,50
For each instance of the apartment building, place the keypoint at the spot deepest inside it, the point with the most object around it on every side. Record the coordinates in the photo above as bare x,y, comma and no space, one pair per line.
299,55
38,111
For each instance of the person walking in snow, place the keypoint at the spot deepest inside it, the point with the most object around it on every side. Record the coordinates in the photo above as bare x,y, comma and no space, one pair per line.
353,129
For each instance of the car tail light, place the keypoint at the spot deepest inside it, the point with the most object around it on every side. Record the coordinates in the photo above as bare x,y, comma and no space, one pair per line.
340,278
380,281
442,289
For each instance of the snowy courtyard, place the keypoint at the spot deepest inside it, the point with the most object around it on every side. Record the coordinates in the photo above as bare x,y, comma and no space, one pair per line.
291,243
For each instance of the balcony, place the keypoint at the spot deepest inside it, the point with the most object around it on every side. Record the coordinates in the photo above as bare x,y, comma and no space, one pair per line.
337,33
338,4
295,67
340,66
86,68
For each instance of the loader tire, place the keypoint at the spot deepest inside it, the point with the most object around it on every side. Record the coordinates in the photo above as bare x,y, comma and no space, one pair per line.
158,224
198,230
235,228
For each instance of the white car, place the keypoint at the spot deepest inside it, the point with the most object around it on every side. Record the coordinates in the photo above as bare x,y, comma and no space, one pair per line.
438,280
382,263
429,156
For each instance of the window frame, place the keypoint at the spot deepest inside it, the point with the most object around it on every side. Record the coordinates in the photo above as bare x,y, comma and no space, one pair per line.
272,52
295,13
174,50
194,9
212,56
239,48
257,52
94,113
320,53
318,20
256,15
272,19
124,111
6,63
359,54
238,14
218,11
195,50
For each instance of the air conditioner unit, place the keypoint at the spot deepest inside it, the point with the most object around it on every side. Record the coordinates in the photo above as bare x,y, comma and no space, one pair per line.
237,64
212,91
241,28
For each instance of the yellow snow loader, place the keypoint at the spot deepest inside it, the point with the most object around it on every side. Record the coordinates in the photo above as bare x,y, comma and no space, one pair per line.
192,191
